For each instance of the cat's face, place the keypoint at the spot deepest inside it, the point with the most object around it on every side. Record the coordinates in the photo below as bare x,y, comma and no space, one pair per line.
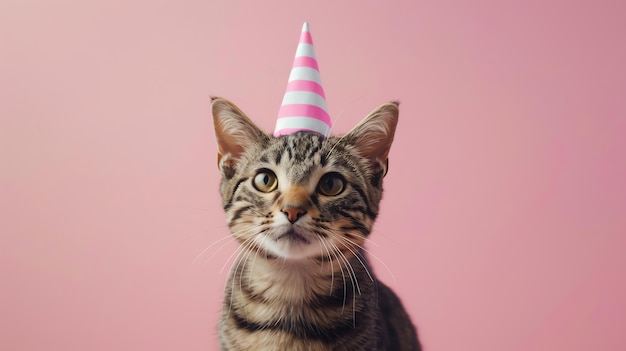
301,195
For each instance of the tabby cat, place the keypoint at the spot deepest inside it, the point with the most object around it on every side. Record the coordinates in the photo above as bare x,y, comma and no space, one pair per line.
301,207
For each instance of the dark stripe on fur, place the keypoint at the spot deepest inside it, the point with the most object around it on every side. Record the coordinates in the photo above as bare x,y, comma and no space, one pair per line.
303,329
279,155
348,216
239,212
377,178
232,195
355,226
315,200
368,211
323,159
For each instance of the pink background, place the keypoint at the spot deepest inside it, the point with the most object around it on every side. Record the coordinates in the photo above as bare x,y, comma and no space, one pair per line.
504,220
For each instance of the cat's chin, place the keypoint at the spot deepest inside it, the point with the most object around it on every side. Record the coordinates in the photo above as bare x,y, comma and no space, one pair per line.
291,243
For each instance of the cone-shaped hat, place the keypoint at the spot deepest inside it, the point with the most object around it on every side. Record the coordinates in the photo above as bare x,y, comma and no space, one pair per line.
304,104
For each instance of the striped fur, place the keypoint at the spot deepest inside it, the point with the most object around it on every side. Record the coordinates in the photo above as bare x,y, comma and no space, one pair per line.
302,280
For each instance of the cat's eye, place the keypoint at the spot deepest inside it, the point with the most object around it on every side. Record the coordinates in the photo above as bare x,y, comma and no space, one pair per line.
331,184
265,181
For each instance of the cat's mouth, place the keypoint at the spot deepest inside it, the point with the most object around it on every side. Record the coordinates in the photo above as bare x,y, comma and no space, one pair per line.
290,242
293,236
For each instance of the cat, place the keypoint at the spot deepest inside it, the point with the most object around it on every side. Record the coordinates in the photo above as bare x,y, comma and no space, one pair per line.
301,207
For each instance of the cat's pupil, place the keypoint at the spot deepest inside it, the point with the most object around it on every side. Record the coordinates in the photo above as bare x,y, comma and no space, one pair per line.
266,179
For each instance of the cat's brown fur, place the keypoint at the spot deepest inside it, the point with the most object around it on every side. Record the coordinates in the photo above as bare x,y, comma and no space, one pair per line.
301,207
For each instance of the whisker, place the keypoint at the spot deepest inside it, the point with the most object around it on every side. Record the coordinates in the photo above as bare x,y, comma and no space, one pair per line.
371,242
369,252
358,257
343,276
233,274
246,259
319,239
349,243
254,260
332,270
339,140
351,270
224,240
353,280
393,277
237,251
334,122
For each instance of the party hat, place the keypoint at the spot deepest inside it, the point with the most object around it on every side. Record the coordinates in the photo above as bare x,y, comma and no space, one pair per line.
304,104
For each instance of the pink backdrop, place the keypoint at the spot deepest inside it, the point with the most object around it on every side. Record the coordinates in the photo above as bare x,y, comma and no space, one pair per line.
504,220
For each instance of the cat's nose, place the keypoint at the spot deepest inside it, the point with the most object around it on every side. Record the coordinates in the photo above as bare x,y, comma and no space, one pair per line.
293,213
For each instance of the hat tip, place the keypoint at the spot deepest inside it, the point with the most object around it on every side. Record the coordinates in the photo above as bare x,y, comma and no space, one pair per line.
305,27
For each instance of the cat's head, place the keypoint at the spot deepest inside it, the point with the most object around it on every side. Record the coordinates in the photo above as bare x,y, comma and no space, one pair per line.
301,195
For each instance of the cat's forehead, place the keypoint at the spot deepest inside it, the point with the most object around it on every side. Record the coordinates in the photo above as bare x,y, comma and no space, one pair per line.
301,154
301,146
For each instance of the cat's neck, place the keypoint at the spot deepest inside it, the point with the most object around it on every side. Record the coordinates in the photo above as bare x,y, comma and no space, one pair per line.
295,280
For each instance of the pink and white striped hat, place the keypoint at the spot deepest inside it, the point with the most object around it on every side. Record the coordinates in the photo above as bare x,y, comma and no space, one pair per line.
304,104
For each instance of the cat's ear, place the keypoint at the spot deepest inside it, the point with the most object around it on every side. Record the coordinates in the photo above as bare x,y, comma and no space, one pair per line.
233,131
373,136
